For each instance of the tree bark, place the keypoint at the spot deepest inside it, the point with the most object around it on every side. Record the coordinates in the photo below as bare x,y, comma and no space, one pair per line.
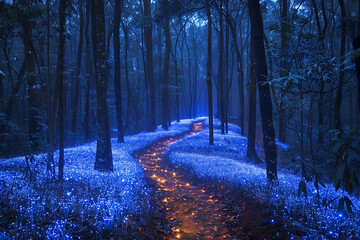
251,152
103,160
284,71
117,72
59,83
88,72
257,36
338,100
165,98
221,71
78,67
149,64
208,76
32,83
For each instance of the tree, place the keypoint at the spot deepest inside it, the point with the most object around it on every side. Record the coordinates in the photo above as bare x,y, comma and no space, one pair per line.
251,152
34,103
117,74
149,65
103,160
338,100
88,72
78,66
208,76
165,98
284,71
221,71
59,84
257,36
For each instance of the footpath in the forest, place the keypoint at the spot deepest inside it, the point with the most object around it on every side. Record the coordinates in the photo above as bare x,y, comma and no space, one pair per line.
190,208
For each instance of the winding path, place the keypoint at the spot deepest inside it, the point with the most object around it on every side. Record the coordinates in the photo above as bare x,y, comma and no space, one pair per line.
194,212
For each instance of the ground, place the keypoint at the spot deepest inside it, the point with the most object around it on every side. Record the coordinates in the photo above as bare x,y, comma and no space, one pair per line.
123,203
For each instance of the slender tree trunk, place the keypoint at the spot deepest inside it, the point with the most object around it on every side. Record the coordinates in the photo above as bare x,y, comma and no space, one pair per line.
221,71
150,64
60,85
251,152
284,68
257,36
337,114
208,76
103,160
31,83
88,73
226,92
117,73
128,88
165,103
78,67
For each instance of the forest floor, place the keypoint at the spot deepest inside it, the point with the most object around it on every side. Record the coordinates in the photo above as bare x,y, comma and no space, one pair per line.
167,184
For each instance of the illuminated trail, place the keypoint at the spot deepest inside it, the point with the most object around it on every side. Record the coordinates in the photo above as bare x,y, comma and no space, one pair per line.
193,211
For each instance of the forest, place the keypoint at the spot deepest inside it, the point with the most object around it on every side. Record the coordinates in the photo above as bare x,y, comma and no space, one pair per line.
180,119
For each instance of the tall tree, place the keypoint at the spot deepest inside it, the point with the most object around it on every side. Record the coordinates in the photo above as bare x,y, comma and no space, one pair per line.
221,70
257,36
59,83
338,100
165,97
103,160
117,73
283,68
88,72
32,83
78,66
149,65
251,152
208,75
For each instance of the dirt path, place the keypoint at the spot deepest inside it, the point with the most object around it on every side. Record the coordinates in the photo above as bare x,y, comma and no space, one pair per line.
194,212
193,208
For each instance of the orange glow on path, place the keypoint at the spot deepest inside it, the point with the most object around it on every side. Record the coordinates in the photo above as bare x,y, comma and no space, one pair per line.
195,213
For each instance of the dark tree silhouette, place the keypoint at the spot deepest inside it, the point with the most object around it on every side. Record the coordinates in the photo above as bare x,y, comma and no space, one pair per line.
117,73
165,97
103,160
338,100
208,75
257,36
149,65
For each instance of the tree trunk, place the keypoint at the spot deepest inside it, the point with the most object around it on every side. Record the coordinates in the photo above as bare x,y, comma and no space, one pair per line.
78,67
103,160
31,83
88,73
338,100
60,85
251,152
128,88
208,76
257,36
117,72
165,97
284,71
150,64
221,71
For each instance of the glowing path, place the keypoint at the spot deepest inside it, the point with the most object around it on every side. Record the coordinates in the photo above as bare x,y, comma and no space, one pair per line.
194,212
